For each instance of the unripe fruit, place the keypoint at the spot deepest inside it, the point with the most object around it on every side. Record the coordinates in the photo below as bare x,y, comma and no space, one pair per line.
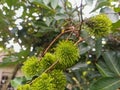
67,53
54,80
24,87
59,79
43,82
31,67
99,26
47,60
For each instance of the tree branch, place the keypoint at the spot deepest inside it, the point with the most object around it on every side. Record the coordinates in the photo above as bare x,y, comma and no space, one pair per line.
79,40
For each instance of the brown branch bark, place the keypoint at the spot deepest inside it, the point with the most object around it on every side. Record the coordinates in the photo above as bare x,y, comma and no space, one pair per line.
81,14
79,40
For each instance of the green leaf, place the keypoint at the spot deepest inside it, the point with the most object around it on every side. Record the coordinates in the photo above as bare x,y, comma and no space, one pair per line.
18,81
54,3
39,2
68,4
79,66
111,13
104,70
84,48
23,53
15,58
98,47
9,60
106,83
116,25
11,2
109,68
112,62
60,16
46,2
100,4
101,70
48,21
117,9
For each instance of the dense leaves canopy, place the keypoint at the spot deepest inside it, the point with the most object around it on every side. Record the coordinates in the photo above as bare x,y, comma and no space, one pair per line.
37,26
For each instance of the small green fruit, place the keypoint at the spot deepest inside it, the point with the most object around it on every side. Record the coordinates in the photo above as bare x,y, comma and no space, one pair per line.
31,67
67,53
24,87
59,79
99,26
43,82
54,80
47,60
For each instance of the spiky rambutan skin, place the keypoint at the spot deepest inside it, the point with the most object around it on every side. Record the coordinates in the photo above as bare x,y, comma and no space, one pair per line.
99,25
47,60
59,79
67,53
31,67
43,82
24,87
54,80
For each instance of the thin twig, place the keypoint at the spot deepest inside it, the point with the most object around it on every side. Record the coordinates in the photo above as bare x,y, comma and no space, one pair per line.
81,6
80,39
71,28
77,83
78,13
69,36
81,15
51,67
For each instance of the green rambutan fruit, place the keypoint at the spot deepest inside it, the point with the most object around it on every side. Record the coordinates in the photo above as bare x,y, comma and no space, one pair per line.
99,25
43,82
24,87
54,80
59,79
67,53
31,67
47,60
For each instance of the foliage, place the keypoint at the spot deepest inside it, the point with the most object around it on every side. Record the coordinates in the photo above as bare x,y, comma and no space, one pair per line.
108,83
57,51
110,71
111,66
18,81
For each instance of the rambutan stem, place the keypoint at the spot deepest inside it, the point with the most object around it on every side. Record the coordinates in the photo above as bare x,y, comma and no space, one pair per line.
51,67
79,40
